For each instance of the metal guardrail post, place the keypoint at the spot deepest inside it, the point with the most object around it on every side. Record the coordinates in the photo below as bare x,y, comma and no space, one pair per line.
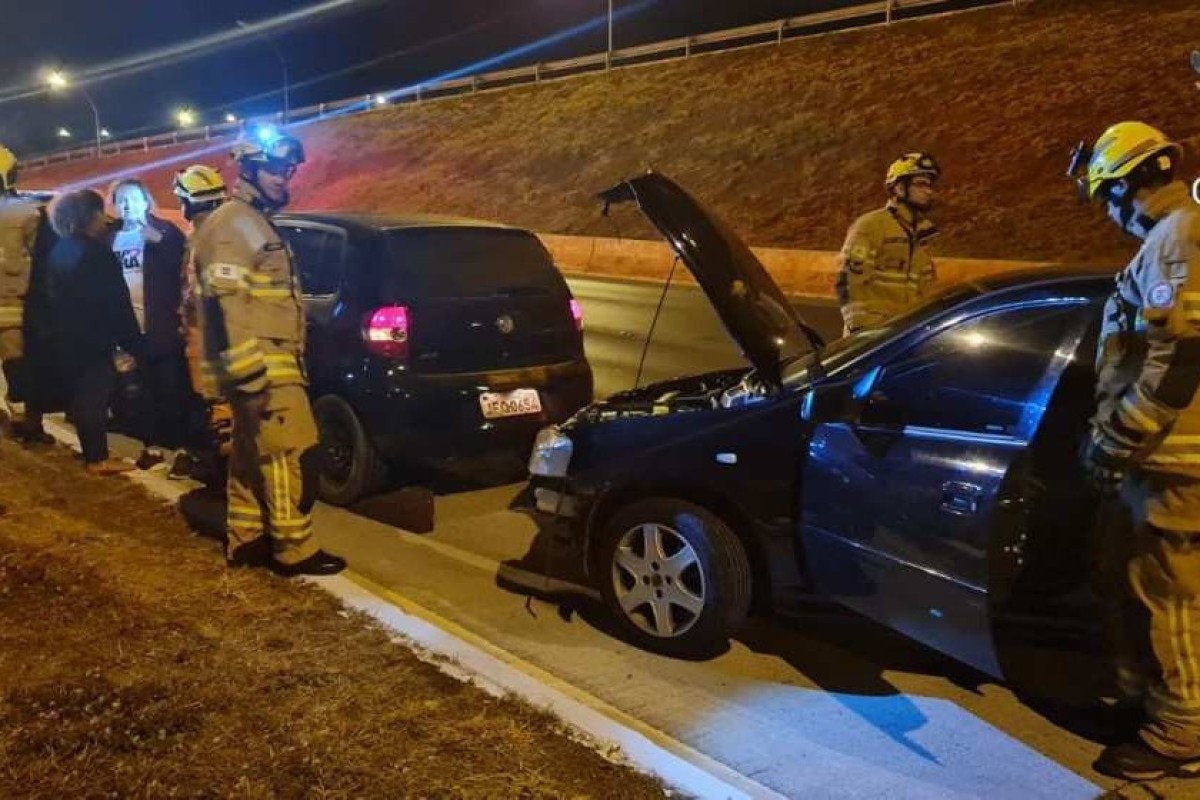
687,46
779,33
888,12
320,110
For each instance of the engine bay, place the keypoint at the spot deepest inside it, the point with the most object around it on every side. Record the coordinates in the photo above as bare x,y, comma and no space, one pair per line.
723,390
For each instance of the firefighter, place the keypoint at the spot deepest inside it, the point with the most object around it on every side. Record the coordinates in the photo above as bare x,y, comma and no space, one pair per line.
25,242
884,268
200,189
1144,446
254,343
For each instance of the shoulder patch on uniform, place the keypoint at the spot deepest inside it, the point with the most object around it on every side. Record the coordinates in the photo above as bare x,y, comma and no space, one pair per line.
1161,295
273,246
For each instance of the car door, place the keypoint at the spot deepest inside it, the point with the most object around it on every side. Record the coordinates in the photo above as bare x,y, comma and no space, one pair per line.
901,505
319,252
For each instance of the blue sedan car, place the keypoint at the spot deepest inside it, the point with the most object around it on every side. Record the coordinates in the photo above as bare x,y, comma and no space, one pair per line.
923,474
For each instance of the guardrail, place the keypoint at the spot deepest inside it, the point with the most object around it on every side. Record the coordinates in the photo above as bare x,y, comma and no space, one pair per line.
885,11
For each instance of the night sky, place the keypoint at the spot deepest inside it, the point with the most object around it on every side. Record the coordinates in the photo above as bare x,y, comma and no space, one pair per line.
409,41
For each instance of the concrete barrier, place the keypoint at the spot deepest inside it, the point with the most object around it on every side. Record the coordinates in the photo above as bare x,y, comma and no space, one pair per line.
798,272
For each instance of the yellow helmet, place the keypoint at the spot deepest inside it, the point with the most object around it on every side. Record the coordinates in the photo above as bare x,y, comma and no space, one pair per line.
910,165
8,169
199,184
1121,149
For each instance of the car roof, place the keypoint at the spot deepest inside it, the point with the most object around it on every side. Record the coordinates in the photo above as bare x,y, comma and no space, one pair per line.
365,221
1043,276
1092,280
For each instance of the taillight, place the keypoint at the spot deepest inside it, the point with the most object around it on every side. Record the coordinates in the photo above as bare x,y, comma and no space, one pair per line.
577,314
386,332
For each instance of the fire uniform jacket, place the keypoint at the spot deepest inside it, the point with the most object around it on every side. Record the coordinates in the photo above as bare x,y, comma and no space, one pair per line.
884,267
21,221
253,314
1148,413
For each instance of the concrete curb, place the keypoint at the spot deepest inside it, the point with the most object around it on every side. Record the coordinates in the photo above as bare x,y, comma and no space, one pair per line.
467,657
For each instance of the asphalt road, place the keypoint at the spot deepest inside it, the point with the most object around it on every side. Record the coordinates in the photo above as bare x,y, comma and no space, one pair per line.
688,338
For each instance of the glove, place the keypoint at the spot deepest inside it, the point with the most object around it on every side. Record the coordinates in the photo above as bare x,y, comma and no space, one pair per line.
1105,470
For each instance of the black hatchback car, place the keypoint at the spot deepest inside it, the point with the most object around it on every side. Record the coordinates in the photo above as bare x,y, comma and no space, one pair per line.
923,474
431,341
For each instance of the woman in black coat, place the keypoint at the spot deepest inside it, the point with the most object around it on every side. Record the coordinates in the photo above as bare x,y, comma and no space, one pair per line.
150,251
91,317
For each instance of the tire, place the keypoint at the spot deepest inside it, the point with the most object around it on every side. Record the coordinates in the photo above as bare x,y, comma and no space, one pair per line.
707,591
350,466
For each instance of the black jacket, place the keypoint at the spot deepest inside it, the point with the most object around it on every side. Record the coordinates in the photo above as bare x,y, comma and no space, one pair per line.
162,277
42,380
89,303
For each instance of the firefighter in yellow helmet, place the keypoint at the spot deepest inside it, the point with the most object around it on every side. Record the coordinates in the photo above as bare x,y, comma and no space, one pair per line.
200,189
25,351
1144,447
884,268
254,343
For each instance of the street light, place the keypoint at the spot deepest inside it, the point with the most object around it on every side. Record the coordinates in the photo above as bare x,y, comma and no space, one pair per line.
185,117
231,118
282,63
57,80
63,133
104,133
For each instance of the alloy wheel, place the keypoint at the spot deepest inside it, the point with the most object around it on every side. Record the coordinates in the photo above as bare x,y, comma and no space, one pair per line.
658,580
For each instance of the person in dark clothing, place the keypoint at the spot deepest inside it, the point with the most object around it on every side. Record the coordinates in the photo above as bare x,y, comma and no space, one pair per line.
150,251
92,319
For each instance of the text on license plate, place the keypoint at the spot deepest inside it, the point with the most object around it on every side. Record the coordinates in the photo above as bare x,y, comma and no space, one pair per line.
510,404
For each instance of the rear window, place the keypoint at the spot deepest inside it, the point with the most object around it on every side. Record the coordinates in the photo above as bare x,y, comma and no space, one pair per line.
468,262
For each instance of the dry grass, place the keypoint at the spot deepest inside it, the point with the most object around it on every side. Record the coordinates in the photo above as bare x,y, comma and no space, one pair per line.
791,143
133,664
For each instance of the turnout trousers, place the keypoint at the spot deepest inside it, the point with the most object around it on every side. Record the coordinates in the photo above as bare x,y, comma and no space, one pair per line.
273,475
1149,570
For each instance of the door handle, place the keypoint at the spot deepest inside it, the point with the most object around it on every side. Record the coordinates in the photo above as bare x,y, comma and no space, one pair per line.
961,498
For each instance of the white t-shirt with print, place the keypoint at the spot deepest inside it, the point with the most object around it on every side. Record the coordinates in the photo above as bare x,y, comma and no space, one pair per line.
130,247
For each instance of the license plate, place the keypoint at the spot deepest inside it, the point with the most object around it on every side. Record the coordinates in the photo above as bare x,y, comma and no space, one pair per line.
516,403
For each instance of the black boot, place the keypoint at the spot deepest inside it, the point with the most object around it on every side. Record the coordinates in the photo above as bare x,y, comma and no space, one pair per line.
319,563
1137,761
252,554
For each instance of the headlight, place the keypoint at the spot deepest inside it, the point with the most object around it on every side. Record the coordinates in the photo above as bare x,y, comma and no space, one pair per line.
551,453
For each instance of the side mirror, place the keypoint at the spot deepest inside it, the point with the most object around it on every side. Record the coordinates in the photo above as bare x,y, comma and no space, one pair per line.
830,402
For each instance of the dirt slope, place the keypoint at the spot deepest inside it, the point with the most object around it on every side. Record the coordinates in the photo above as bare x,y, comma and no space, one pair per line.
133,663
790,143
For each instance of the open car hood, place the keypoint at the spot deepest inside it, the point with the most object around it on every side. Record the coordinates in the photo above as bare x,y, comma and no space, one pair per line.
751,305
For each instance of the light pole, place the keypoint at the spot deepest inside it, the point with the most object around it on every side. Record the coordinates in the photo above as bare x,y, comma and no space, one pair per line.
610,26
55,79
282,63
